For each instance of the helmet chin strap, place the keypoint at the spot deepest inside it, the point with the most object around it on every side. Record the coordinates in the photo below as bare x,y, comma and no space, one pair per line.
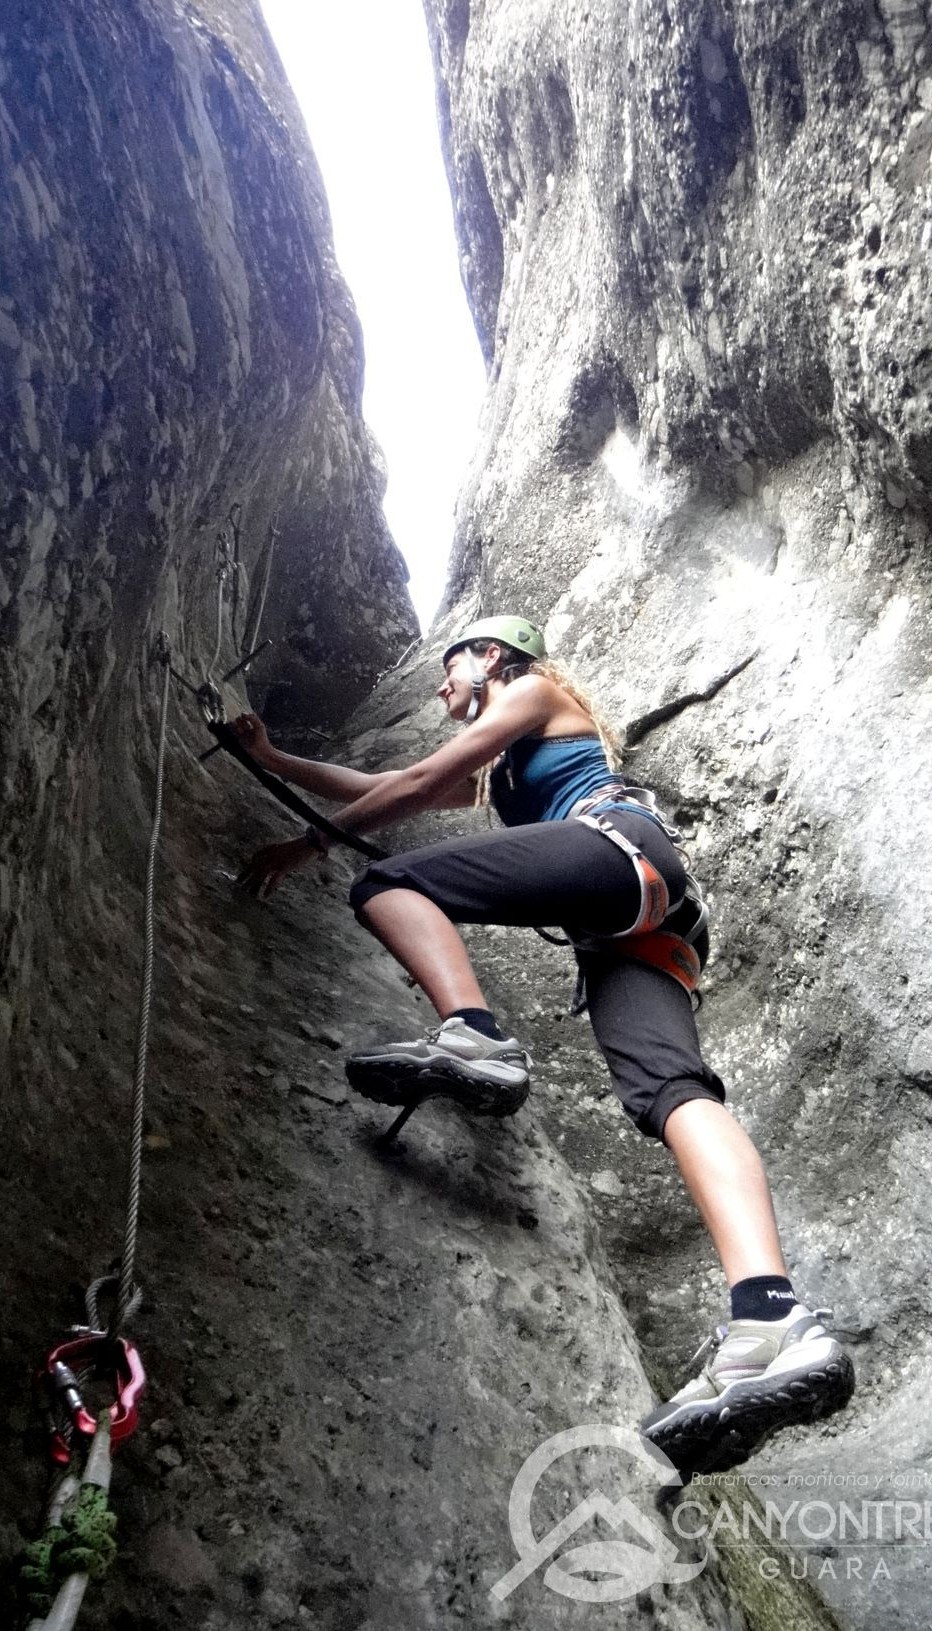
478,680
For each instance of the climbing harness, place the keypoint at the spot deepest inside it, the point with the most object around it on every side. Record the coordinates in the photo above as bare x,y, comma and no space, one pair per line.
670,953
672,939
655,896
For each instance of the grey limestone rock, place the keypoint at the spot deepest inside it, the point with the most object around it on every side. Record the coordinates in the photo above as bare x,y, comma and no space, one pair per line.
175,340
696,240
354,1350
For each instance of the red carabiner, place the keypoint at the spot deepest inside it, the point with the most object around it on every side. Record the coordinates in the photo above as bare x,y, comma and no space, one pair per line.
105,1357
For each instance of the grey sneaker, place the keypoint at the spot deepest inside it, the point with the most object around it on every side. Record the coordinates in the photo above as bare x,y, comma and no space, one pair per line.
765,1374
489,1078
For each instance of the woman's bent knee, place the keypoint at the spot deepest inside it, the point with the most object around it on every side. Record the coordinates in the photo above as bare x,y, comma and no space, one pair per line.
365,886
652,1118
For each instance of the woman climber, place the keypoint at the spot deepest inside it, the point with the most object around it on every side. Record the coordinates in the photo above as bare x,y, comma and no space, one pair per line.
582,849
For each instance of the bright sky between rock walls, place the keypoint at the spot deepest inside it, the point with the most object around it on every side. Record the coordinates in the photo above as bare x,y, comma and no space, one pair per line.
361,70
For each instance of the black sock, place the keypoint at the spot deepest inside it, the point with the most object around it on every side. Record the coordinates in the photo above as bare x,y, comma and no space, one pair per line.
764,1297
479,1019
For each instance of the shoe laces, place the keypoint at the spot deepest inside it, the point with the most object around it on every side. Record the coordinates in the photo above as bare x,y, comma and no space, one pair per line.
519,1053
713,1340
717,1336
513,1053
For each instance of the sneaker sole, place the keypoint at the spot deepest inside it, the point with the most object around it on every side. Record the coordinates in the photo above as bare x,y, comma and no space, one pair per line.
713,1435
403,1080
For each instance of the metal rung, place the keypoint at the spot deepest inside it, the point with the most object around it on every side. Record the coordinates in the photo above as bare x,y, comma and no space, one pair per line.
399,1121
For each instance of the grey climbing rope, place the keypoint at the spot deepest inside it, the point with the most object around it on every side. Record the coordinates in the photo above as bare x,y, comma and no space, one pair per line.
126,1292
77,1544
231,543
229,565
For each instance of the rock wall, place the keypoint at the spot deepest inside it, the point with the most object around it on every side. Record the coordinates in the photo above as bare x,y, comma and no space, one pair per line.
175,339
349,1351
701,461
696,243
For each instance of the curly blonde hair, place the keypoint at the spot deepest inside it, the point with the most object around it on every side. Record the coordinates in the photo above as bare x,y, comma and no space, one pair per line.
515,666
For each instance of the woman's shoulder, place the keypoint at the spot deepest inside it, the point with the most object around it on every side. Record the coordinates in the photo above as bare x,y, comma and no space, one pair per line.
539,685
560,714
547,694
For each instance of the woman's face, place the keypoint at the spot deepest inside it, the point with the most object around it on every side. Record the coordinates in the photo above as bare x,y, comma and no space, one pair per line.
456,690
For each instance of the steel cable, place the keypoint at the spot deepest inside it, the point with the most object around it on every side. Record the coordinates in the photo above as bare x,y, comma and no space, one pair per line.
125,1294
253,624
221,580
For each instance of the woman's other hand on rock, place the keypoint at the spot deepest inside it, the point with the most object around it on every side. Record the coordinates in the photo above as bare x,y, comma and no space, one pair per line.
270,866
253,736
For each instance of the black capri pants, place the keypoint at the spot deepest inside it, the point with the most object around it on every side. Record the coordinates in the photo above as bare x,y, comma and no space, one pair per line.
563,872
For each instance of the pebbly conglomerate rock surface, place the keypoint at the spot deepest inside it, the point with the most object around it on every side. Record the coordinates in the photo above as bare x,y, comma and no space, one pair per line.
350,1351
696,242
176,341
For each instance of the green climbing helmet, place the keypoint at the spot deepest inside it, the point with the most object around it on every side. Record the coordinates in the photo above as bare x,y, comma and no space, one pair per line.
516,632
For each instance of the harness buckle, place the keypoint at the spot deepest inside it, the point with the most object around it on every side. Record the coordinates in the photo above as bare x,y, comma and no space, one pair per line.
58,1390
655,896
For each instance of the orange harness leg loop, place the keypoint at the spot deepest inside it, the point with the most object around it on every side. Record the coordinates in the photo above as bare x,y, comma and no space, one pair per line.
645,941
666,951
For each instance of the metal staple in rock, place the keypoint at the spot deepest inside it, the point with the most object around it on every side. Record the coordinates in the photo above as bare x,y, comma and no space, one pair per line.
125,1294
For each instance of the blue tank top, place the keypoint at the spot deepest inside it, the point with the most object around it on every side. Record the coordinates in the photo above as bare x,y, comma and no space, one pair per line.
540,779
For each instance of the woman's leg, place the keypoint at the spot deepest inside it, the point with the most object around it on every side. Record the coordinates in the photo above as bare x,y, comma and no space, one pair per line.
538,874
468,1059
776,1364
725,1177
644,1024
719,1163
523,876
426,943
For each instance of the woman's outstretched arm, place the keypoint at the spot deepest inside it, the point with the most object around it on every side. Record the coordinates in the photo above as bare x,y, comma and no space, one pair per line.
336,782
328,781
437,781
441,781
